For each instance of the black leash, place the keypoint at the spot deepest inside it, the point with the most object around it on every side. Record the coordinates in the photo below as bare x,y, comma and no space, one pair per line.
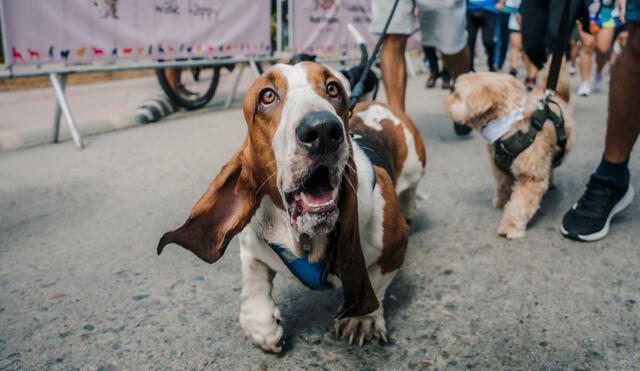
358,89
558,49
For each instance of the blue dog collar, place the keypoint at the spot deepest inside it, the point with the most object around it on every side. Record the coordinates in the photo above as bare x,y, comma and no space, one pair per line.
312,275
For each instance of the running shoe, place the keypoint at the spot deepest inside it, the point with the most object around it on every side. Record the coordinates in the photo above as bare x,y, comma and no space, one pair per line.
598,84
572,70
589,218
584,90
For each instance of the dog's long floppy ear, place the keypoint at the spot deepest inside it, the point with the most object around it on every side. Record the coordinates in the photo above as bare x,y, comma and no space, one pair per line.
221,213
346,253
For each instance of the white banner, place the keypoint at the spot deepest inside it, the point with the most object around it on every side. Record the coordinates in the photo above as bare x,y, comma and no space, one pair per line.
43,31
320,26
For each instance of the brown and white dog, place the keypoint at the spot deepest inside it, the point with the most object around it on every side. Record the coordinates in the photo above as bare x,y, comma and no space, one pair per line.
317,186
498,106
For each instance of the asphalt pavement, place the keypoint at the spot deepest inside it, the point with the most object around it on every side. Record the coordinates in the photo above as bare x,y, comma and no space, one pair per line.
81,286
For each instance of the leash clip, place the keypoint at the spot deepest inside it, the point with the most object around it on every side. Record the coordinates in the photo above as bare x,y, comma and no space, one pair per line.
549,93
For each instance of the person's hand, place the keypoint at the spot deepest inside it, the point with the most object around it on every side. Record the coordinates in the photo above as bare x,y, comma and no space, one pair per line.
623,10
500,5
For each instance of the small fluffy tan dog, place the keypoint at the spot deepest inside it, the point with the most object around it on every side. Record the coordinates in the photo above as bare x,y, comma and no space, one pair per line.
498,106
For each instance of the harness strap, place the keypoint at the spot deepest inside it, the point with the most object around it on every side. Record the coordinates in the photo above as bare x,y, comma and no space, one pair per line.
312,275
506,150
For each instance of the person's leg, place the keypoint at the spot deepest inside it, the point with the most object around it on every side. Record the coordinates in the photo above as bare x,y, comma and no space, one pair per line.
457,63
535,15
555,16
586,56
473,24
623,125
488,32
443,25
432,56
531,68
609,190
573,55
394,69
604,38
503,38
515,52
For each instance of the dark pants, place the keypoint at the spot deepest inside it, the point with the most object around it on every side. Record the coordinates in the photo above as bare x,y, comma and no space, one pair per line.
431,56
502,38
540,24
481,19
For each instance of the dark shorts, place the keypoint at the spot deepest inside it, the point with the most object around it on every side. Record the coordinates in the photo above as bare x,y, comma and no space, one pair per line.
633,11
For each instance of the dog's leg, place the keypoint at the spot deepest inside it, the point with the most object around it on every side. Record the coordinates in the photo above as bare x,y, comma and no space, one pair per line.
259,315
525,200
503,184
407,200
364,328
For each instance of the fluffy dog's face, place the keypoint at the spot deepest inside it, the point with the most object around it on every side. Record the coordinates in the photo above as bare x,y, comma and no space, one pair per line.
483,96
301,111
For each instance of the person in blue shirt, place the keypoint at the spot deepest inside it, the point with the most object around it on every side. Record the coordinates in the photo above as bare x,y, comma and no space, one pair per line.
481,14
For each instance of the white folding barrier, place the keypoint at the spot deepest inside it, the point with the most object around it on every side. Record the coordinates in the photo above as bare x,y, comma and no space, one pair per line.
59,37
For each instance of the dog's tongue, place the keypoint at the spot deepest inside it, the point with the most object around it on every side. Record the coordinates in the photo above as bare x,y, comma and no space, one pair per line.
318,194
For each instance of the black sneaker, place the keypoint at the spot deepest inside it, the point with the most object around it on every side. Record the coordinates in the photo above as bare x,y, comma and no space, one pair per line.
461,129
589,218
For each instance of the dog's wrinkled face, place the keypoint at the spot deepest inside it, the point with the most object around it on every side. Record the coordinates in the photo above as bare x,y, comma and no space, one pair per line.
482,96
297,119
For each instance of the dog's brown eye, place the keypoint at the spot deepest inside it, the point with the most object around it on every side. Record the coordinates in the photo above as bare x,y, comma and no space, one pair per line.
333,90
267,96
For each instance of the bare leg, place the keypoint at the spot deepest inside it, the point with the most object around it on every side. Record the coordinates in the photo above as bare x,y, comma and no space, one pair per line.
573,51
604,38
524,202
515,49
394,70
458,63
532,70
586,55
623,125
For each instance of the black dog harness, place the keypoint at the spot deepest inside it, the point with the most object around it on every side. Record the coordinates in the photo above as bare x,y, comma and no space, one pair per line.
506,150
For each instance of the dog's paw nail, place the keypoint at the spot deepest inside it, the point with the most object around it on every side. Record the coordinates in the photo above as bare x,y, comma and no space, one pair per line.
383,336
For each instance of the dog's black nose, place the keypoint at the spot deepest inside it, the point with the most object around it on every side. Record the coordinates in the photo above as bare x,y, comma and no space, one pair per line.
320,133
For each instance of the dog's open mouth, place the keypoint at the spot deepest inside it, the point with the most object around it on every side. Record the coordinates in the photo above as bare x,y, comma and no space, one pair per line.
316,195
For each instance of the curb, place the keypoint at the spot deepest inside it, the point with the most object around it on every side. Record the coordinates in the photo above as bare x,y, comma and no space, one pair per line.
13,140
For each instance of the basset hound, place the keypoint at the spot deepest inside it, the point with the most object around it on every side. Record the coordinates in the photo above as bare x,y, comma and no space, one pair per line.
315,196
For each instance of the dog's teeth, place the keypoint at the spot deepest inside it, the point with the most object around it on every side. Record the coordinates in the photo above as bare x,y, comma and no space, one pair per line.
304,198
306,201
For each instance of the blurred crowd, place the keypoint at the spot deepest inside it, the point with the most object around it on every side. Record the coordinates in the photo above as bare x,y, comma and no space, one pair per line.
527,31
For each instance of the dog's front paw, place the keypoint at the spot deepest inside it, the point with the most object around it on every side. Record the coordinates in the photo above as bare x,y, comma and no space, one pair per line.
362,328
263,328
510,231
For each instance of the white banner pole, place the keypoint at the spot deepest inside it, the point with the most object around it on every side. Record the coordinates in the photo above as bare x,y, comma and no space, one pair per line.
8,61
